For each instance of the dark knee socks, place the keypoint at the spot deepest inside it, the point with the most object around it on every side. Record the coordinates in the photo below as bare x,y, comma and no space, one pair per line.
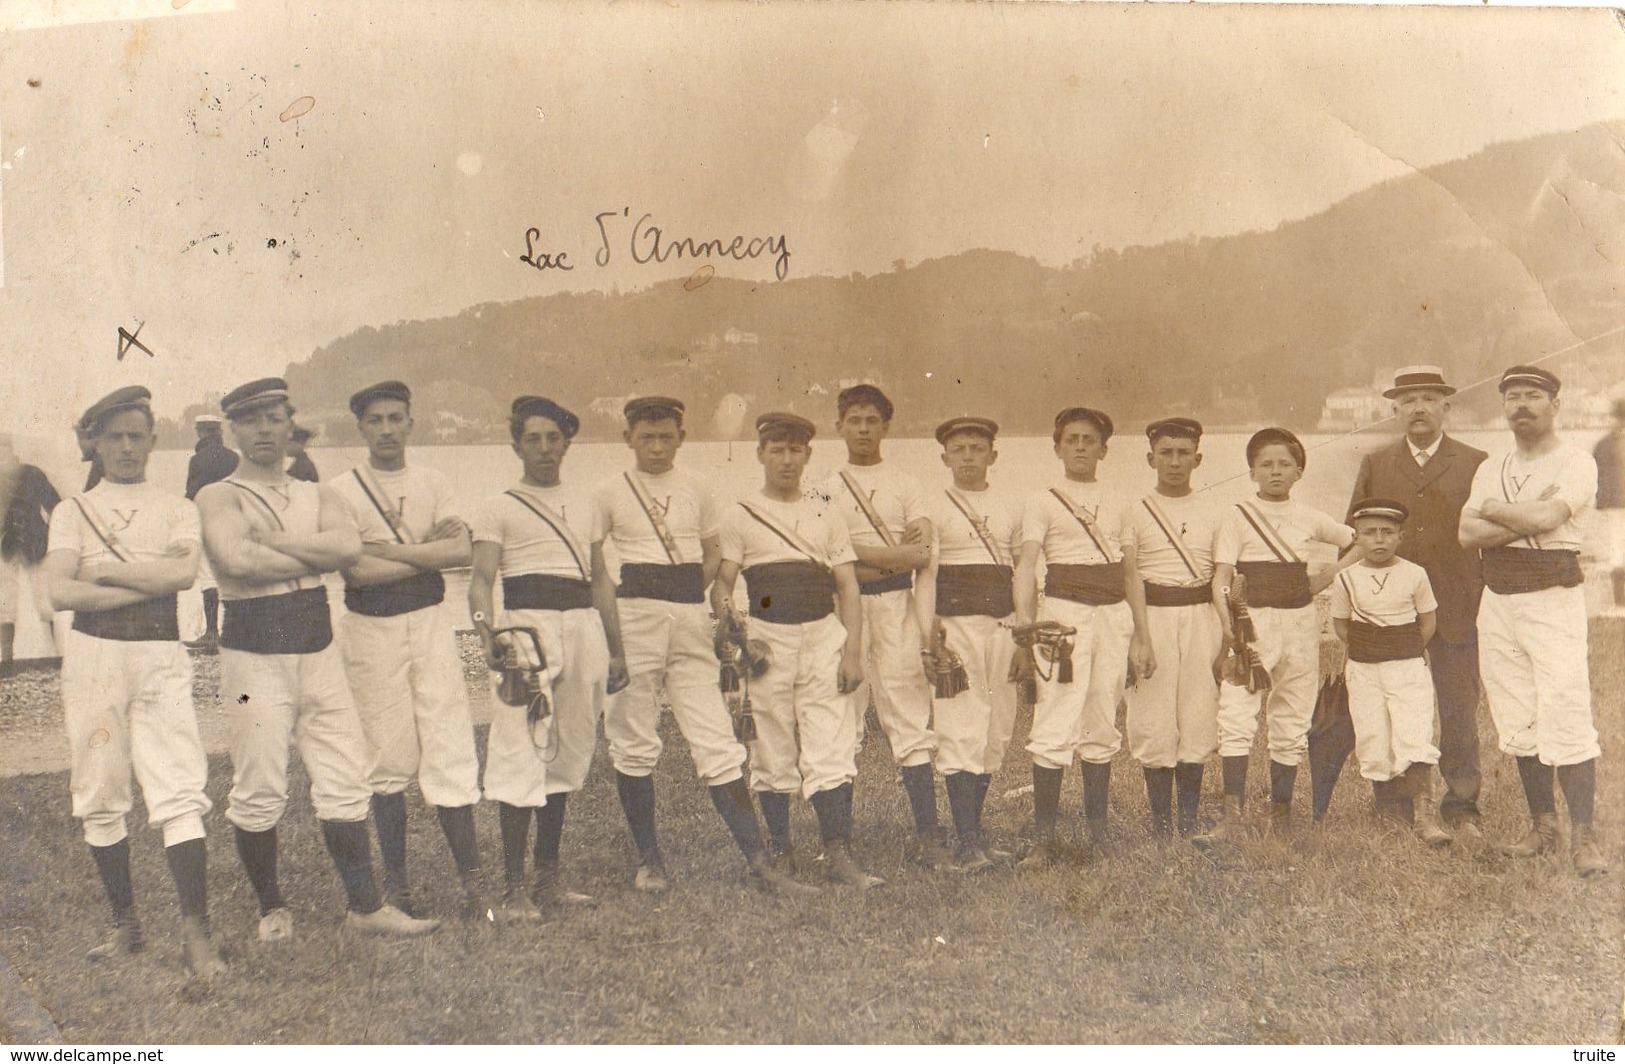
257,849
389,820
919,783
514,822
638,803
776,812
1579,790
732,801
1046,799
189,867
457,822
1537,786
113,865
834,809
351,850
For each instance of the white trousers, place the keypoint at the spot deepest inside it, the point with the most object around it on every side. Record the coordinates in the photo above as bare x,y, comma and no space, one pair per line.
128,705
806,733
1079,719
668,646
1532,658
1391,705
407,679
523,766
892,671
272,700
1173,717
1288,644
974,727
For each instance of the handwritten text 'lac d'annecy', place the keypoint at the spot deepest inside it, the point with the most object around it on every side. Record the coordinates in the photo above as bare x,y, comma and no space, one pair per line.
647,242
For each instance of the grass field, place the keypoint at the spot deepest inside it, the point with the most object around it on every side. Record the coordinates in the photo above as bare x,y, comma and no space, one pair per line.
1349,934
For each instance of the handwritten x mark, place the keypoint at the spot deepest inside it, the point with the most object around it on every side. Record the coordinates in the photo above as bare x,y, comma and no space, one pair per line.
127,340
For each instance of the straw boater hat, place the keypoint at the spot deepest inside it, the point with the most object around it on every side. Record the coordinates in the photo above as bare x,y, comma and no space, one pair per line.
1413,378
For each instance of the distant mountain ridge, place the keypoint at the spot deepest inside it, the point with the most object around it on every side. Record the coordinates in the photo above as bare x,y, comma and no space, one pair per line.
1500,257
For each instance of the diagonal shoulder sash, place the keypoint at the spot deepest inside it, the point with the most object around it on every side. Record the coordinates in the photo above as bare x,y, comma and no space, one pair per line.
868,508
978,524
262,500
797,543
1174,540
640,491
1087,522
1507,492
1354,602
375,495
556,523
99,526
1266,531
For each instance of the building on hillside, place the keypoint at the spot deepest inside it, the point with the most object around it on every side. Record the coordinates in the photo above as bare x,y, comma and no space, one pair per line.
1348,409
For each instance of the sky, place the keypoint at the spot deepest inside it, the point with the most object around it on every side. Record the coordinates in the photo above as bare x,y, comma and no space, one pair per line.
252,183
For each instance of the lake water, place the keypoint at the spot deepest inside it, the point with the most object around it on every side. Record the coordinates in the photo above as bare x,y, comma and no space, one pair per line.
1025,464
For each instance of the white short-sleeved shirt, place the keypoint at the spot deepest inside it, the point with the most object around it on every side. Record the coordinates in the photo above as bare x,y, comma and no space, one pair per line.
145,523
1049,523
896,497
420,498
1392,595
1193,519
683,502
746,541
1511,478
1297,526
958,542
529,544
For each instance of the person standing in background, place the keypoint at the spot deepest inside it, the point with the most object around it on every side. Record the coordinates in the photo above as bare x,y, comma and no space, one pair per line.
211,460
302,468
26,500
1610,458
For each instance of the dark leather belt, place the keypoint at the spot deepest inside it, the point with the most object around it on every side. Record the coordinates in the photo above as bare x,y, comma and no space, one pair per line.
790,592
1372,643
1520,570
1172,595
151,621
415,592
540,591
668,583
297,622
1276,585
974,591
1091,585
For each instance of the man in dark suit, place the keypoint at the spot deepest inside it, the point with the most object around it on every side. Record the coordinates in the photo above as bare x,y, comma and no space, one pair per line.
1433,475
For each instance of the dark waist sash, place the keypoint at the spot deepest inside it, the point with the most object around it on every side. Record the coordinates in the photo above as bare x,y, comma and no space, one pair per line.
790,592
1276,585
1169,595
1520,570
541,591
1372,643
895,582
668,583
415,592
150,621
294,623
1092,585
974,591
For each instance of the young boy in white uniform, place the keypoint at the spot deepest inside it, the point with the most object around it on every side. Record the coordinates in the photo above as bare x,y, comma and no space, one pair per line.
1385,610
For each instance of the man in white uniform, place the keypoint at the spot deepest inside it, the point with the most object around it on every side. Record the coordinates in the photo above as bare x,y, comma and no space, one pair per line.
400,648
1173,708
965,609
269,540
118,555
885,514
1524,516
664,526
803,609
1076,527
535,535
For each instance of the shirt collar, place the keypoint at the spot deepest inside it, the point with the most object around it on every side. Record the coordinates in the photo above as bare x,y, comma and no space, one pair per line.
1429,452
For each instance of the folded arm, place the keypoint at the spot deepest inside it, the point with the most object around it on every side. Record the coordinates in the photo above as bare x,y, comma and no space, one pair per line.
234,553
160,576
67,592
